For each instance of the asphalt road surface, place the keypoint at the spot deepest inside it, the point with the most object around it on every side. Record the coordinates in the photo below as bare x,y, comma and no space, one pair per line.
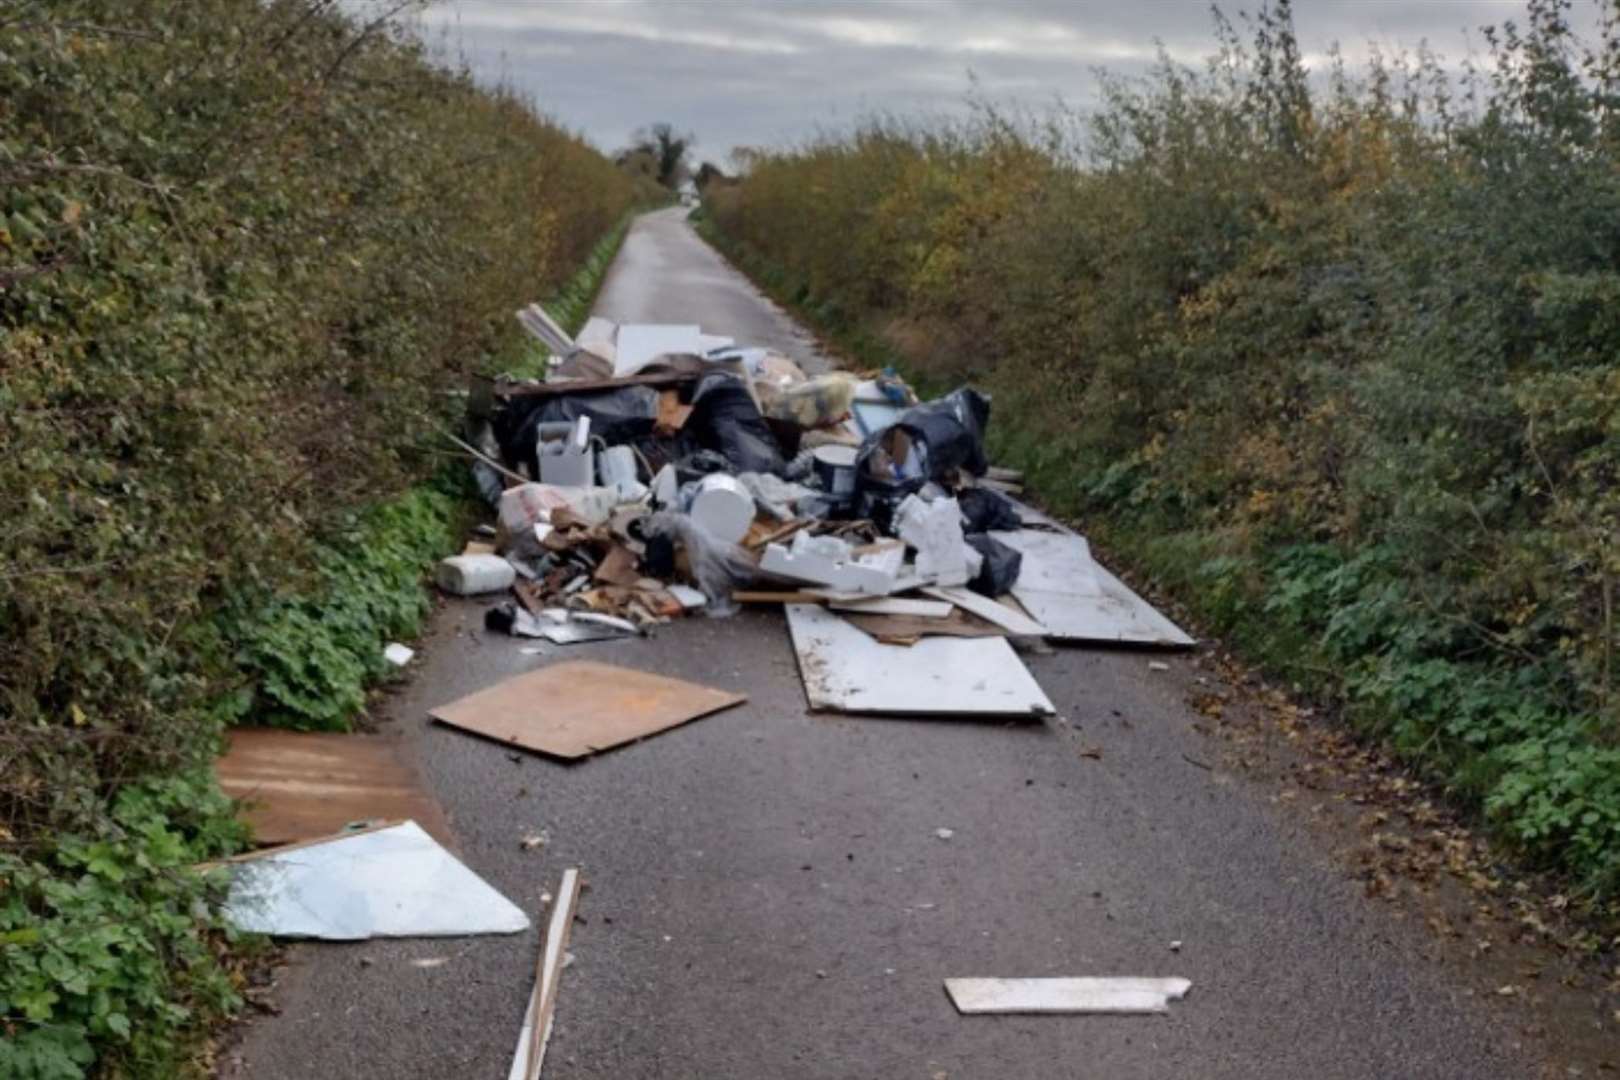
769,897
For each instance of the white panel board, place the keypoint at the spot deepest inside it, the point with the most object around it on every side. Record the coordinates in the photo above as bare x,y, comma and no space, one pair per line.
846,671
991,611
1076,598
1078,995
894,605
638,344
390,882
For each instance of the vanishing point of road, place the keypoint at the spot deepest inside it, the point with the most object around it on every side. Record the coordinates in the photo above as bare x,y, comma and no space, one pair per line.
769,897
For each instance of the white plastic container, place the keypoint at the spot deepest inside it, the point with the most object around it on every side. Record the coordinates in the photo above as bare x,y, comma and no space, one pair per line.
723,507
472,575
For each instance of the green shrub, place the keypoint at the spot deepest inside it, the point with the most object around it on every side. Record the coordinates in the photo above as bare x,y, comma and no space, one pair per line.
1335,358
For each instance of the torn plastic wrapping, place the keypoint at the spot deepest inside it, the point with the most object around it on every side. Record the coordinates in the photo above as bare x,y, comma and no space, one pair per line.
948,433
717,568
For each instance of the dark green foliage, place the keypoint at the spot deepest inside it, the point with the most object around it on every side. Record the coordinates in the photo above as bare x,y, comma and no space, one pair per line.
1336,359
106,944
246,248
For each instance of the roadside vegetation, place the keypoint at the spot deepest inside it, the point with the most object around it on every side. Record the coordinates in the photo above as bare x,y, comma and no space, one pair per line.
246,249
1333,357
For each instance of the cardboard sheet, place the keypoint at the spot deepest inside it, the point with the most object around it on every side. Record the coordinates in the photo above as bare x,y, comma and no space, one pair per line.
574,709
297,785
389,882
846,671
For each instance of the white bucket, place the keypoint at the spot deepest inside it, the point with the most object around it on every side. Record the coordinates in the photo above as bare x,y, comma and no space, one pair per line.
723,507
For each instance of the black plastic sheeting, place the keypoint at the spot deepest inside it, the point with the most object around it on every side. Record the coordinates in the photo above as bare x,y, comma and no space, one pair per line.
724,418
984,510
625,415
1002,565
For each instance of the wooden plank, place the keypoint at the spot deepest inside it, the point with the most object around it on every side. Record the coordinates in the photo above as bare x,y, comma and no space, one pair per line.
990,610
846,671
298,785
1074,995
895,605
535,1035
582,386
893,629
573,709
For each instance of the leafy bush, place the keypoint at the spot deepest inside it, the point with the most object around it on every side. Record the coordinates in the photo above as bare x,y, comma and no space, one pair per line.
107,944
1335,357
246,246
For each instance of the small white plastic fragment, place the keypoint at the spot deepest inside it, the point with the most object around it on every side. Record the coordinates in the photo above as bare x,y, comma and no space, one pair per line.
472,575
397,654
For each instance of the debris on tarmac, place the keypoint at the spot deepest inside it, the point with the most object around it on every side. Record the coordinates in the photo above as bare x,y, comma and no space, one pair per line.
1071,995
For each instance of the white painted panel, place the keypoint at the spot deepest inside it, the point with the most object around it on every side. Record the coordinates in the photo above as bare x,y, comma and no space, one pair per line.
392,882
1075,597
1077,995
846,671
1054,562
638,344
894,605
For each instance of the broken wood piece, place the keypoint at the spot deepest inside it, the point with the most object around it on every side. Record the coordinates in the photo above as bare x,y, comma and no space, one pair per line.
301,785
1075,995
769,534
844,670
895,605
990,610
536,1032
895,629
618,567
759,596
577,708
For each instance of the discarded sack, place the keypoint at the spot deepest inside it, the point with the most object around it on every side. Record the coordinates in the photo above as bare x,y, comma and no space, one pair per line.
725,418
999,571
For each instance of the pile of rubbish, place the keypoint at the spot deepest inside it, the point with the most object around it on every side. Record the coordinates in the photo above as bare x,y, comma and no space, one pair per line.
659,471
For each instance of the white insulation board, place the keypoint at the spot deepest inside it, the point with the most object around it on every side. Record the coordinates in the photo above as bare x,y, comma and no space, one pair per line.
844,670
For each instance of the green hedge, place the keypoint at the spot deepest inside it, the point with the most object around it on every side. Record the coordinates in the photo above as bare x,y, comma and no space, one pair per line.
1333,357
246,249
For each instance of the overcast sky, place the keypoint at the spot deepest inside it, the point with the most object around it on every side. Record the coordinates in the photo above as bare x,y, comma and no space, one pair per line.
769,72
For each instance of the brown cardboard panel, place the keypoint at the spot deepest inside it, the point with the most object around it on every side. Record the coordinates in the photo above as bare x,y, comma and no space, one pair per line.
298,785
574,709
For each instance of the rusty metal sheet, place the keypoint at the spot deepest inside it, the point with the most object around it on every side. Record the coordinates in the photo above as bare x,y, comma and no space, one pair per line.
574,709
298,785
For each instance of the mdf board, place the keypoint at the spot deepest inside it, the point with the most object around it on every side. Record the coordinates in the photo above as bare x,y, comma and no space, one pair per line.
572,710
297,785
844,670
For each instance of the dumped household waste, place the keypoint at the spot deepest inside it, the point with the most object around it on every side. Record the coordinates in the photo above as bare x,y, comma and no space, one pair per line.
661,471
1120,994
575,709
391,881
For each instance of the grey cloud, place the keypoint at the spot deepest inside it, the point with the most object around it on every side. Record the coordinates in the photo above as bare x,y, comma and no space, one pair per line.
769,72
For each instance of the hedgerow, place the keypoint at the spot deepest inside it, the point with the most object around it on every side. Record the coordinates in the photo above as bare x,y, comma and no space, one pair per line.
246,248
1331,355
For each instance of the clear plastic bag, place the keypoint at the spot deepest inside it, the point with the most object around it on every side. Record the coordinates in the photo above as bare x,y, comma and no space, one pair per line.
718,568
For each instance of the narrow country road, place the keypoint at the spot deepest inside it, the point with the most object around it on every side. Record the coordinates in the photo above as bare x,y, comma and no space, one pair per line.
769,898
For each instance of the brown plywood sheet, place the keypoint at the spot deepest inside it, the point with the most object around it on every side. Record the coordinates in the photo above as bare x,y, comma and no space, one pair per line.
297,785
574,709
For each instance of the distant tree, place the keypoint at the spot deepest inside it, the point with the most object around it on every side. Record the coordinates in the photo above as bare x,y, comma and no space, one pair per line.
668,150
709,173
